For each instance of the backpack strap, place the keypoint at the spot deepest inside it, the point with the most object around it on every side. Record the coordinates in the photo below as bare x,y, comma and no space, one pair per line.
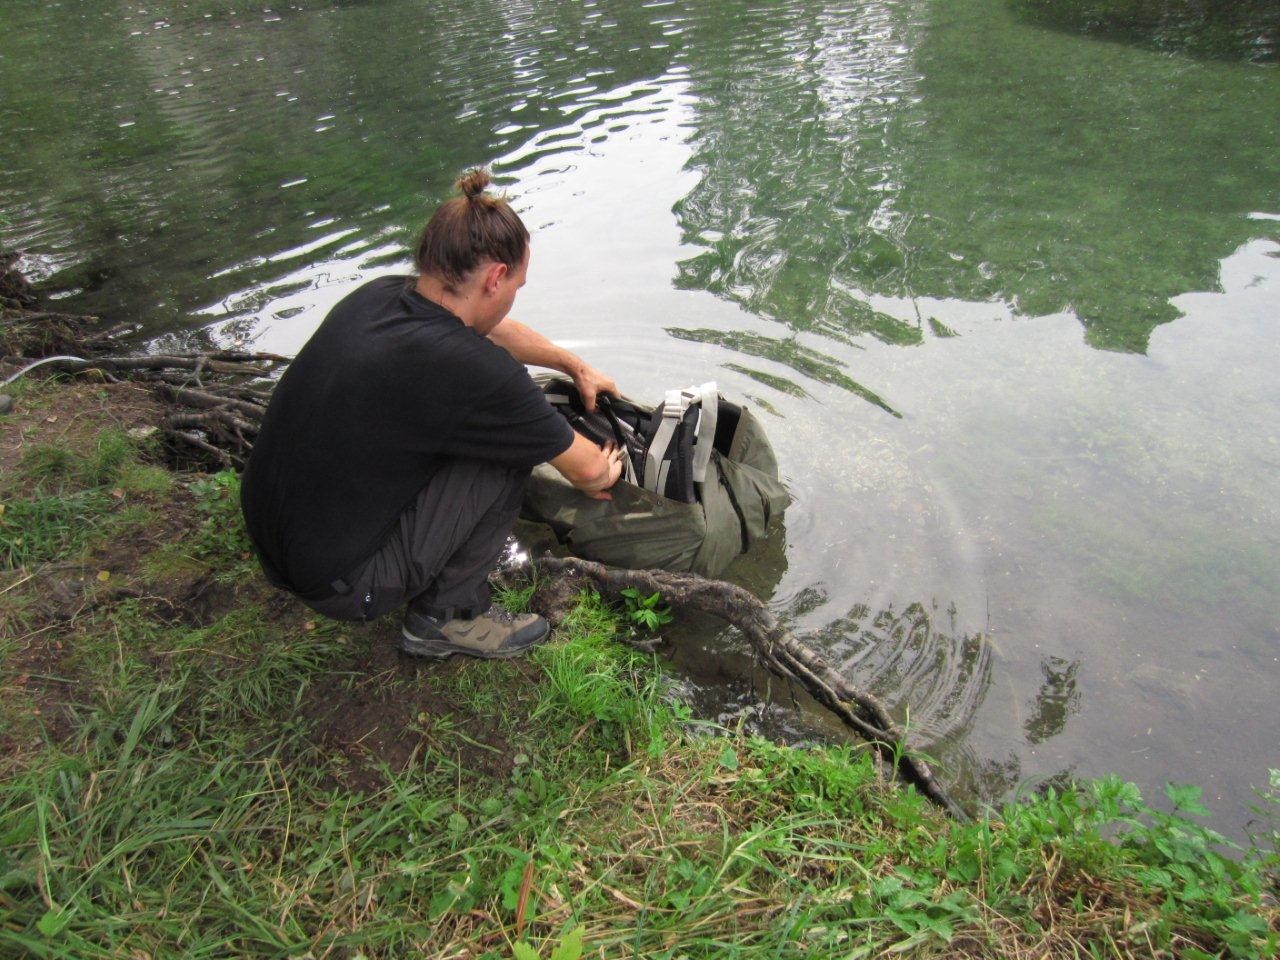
605,406
706,440
674,405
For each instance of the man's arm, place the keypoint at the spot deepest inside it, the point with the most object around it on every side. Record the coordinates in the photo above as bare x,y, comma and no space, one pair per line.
532,348
590,469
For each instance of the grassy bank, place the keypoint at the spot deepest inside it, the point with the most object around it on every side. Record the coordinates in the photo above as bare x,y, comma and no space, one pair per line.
197,766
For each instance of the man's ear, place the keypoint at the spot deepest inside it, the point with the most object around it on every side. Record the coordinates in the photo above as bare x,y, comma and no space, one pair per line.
493,275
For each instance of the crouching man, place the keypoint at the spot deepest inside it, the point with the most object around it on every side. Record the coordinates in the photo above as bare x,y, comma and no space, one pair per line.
393,456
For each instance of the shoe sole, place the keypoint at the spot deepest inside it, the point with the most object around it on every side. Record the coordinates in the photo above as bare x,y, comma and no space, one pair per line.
443,649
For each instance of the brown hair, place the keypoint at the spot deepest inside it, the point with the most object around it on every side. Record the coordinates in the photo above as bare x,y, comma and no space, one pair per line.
468,230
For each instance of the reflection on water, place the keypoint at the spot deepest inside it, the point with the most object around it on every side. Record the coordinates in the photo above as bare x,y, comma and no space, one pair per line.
801,359
842,151
945,150
1233,30
212,143
883,222
947,673
932,677
1056,700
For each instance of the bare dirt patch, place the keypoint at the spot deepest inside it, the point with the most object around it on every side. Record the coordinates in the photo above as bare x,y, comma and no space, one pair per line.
383,710
73,416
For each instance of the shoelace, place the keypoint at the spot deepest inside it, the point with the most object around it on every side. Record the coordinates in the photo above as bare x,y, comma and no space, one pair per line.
500,614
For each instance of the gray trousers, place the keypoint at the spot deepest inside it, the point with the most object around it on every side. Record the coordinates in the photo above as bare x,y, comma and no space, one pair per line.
438,557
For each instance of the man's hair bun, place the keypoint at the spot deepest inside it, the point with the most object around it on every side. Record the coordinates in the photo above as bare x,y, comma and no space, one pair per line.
468,230
473,182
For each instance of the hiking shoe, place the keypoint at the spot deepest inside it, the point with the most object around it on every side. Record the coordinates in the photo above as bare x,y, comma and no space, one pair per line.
495,634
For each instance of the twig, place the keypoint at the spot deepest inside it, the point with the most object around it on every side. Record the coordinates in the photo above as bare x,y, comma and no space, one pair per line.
220,420
219,455
207,399
522,901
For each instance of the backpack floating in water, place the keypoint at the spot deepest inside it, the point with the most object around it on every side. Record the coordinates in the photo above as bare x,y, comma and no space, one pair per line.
699,484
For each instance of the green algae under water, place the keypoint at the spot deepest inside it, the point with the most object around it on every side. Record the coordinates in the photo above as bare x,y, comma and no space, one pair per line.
1003,276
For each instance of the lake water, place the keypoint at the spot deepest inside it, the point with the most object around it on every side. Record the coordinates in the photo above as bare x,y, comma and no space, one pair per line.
1006,290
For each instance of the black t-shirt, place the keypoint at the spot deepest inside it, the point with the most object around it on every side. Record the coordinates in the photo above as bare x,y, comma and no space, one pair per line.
388,388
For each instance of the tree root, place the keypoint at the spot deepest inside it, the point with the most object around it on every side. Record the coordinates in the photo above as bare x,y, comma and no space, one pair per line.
212,422
561,580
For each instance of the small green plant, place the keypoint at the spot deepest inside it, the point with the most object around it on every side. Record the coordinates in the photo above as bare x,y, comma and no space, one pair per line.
1194,867
1266,832
213,491
222,536
645,611
570,948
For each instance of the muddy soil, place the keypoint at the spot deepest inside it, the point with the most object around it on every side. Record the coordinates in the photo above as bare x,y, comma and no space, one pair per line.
384,709
378,709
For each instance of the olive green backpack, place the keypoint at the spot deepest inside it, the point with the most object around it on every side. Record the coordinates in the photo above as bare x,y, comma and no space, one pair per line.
699,485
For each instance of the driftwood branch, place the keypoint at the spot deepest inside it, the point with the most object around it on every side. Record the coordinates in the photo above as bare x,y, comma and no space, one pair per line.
212,422
561,580
223,459
210,401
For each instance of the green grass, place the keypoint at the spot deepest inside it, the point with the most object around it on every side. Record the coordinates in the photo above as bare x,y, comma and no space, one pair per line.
189,815
60,499
33,393
218,545
515,599
99,466
195,806
48,527
146,480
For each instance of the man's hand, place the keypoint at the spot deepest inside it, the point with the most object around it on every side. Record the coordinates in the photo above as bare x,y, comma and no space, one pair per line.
535,350
591,382
590,469
613,454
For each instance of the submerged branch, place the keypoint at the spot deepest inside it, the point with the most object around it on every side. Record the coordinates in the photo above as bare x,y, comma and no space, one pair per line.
560,581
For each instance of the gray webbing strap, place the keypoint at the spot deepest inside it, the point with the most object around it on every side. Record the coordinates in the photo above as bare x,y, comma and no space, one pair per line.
706,440
628,468
673,408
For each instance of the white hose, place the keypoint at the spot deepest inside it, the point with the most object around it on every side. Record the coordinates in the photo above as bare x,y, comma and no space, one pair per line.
32,366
